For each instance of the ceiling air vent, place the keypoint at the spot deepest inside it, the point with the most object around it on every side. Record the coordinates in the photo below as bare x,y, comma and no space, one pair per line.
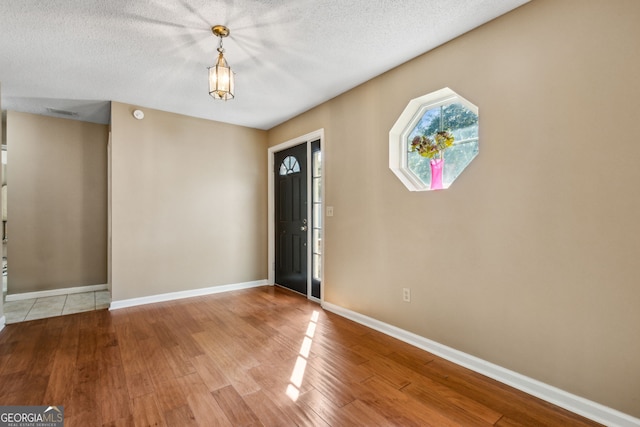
62,112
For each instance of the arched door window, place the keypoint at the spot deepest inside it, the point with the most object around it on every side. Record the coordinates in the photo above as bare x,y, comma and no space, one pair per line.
289,165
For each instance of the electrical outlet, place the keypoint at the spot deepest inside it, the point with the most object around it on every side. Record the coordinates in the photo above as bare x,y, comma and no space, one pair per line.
406,294
329,210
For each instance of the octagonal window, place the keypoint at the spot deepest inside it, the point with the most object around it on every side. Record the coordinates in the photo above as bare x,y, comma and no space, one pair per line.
434,140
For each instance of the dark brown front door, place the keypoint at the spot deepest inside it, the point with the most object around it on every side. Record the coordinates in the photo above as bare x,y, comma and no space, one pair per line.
291,218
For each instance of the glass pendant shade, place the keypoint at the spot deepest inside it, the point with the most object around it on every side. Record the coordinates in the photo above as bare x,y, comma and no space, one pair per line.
221,80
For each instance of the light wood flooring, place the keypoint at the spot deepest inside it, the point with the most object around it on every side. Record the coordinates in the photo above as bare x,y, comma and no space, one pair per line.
261,356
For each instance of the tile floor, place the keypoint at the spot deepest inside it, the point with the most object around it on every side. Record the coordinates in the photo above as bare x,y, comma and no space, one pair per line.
39,308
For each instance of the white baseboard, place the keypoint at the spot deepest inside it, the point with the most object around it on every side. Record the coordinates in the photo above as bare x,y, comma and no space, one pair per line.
3,322
551,394
56,292
132,302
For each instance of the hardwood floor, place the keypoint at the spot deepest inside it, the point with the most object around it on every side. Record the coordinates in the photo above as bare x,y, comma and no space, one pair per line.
262,356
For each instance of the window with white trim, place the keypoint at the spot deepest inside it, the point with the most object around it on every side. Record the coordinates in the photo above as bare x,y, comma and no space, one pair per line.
434,140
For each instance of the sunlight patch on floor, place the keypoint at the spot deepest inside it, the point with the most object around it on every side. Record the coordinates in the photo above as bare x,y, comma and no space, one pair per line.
293,389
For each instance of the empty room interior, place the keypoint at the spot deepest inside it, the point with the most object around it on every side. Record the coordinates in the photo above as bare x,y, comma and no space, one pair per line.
379,213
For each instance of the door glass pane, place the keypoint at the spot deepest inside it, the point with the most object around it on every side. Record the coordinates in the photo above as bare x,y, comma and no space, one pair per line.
316,197
317,241
317,267
317,164
317,215
316,190
289,165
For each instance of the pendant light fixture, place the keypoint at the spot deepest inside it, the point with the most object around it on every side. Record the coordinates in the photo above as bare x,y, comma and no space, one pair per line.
221,84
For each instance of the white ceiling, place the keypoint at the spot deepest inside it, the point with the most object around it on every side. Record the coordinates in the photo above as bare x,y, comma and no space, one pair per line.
288,56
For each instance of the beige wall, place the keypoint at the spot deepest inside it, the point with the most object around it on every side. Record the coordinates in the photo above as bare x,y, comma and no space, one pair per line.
188,203
530,259
57,203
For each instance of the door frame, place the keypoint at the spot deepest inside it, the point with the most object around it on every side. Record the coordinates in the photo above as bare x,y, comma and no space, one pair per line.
271,266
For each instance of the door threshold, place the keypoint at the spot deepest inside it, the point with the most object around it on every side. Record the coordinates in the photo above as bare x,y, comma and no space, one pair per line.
314,299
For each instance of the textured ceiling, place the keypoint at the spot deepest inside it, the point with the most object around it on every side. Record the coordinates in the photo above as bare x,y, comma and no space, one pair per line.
288,56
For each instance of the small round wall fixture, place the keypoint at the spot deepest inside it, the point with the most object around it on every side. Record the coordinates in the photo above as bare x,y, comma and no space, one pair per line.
138,114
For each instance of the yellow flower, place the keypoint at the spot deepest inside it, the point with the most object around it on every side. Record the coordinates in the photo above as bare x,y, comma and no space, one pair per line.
429,148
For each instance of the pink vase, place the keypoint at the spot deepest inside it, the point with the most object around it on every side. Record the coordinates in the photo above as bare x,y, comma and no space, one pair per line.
436,173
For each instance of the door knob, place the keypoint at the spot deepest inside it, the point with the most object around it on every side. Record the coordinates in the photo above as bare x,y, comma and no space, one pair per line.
303,228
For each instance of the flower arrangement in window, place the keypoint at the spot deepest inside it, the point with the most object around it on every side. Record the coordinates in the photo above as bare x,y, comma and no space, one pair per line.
431,148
